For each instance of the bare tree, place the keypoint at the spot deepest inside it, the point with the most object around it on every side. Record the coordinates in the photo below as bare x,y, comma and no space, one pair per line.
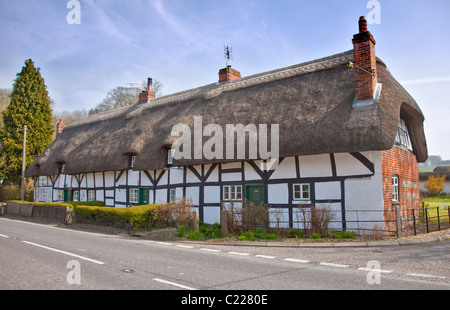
4,102
124,96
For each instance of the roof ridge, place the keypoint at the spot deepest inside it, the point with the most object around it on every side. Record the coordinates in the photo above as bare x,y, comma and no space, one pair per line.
215,89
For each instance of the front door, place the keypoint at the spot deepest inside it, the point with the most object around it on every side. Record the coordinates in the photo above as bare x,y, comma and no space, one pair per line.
255,217
255,193
143,196
67,195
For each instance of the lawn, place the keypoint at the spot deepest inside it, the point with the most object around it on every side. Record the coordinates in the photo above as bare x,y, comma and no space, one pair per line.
433,203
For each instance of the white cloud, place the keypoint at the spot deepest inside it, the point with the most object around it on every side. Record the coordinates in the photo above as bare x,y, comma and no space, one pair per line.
427,80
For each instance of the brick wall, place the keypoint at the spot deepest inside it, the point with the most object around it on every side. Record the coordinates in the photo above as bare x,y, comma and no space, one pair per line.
365,63
402,163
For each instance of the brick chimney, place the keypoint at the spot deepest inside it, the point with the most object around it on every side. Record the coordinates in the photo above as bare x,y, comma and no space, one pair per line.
364,62
228,74
59,127
148,94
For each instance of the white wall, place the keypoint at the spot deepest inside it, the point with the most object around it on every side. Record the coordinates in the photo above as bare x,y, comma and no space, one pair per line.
359,193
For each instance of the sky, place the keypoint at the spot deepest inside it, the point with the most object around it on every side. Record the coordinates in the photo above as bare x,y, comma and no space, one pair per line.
181,43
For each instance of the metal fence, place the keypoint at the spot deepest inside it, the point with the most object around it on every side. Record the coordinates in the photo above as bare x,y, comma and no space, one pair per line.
426,220
392,222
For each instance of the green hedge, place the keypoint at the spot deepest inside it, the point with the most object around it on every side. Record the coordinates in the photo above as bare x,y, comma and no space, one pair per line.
145,217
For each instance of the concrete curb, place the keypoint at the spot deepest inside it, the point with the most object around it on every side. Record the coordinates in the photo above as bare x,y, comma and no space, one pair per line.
356,244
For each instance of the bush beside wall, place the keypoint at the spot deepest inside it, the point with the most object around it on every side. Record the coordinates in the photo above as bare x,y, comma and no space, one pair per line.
145,217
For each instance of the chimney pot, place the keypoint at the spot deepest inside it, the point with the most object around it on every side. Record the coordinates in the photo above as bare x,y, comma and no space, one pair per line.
59,127
148,94
362,24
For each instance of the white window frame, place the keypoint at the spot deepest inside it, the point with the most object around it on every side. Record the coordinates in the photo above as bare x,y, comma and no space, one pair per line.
232,192
395,188
76,195
298,194
403,137
170,153
91,195
41,193
134,195
60,195
172,194
133,161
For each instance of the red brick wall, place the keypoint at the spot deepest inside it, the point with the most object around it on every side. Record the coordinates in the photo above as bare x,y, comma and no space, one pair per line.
365,62
401,162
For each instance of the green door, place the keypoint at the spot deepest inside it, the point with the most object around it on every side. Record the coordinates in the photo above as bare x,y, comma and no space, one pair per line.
256,217
67,195
143,196
255,193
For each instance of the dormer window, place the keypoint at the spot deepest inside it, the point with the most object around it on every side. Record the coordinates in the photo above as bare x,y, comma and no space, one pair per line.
170,153
132,161
63,167
403,137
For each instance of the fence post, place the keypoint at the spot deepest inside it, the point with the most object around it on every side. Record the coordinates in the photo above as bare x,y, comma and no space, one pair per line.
223,223
414,222
426,218
448,213
196,220
398,221
439,221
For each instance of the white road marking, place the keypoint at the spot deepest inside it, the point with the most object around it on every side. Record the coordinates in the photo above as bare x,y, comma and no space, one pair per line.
239,253
64,252
424,275
296,260
265,256
333,265
184,246
375,270
4,236
162,243
209,250
175,284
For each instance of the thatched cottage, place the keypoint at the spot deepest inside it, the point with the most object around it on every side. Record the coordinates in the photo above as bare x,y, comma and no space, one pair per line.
350,136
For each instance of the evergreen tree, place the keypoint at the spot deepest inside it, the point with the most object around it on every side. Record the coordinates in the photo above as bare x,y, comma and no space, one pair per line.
29,105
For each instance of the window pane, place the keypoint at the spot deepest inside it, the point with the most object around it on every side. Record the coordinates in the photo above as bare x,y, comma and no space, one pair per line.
226,193
297,194
238,192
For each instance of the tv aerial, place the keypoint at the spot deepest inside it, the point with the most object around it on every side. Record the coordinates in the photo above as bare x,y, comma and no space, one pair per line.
228,53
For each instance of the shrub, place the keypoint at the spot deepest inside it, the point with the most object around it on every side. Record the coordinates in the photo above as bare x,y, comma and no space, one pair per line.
13,192
196,235
87,203
316,236
297,233
344,234
181,231
317,219
257,235
210,231
435,185
144,217
248,235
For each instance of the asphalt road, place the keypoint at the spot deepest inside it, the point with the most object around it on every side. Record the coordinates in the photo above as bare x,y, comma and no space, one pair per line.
45,257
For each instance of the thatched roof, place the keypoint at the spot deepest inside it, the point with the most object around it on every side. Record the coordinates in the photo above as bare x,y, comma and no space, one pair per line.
312,103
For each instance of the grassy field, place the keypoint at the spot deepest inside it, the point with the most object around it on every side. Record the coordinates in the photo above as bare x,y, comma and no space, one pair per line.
433,203
427,169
